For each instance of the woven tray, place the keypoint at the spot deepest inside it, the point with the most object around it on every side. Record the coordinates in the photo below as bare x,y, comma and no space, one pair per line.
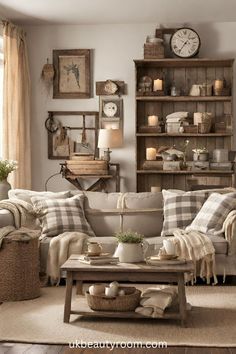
124,303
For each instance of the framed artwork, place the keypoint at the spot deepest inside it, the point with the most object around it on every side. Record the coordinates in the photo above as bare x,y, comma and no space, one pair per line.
111,112
72,73
73,132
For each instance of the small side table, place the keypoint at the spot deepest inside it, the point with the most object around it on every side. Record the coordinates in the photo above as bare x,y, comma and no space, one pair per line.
101,180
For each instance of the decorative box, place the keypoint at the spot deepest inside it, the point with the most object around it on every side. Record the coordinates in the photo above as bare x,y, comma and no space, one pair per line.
171,165
200,165
221,166
153,51
153,165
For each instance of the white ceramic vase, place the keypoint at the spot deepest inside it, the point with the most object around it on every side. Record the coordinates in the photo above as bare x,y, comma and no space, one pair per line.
4,188
131,252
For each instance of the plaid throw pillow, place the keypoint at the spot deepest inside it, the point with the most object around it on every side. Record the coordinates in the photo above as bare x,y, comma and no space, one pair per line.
180,208
213,213
61,215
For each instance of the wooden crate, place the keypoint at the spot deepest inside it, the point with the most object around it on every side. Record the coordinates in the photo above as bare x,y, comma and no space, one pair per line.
153,51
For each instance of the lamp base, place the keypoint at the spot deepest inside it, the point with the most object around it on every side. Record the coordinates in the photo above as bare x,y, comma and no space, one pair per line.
106,155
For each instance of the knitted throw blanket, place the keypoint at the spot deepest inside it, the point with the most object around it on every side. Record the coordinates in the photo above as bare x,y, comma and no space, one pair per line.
23,212
20,235
197,247
60,249
229,228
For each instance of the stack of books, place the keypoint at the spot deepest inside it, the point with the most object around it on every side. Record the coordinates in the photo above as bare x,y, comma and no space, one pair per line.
104,258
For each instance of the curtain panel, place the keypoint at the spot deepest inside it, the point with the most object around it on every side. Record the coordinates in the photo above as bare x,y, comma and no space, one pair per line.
16,105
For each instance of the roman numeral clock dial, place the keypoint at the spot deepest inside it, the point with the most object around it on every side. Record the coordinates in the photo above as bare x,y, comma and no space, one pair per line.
185,43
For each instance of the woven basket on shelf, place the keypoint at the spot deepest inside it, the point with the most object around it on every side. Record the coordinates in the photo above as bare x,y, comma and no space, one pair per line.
123,303
19,270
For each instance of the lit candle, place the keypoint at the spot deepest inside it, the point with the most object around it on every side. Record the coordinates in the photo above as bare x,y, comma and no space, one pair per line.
155,189
218,84
152,121
151,154
158,85
197,118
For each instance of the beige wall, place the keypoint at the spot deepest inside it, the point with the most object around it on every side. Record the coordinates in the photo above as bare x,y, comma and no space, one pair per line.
115,47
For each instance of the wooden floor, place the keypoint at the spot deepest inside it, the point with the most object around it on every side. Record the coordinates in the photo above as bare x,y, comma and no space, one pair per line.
20,348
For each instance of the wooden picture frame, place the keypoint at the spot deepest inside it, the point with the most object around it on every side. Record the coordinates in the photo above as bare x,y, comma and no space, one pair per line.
72,73
114,121
75,123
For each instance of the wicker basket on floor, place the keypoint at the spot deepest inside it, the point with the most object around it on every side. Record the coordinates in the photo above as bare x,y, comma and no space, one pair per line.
19,270
123,303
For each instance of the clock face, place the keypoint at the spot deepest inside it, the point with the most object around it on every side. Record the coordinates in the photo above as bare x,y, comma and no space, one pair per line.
110,109
185,43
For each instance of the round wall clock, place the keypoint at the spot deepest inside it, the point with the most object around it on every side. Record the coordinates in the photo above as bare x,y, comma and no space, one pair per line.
110,109
185,43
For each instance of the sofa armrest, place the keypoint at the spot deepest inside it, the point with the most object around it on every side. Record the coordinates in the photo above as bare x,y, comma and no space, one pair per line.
6,218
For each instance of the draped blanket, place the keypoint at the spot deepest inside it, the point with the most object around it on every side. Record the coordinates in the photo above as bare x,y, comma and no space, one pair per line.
26,225
60,249
197,247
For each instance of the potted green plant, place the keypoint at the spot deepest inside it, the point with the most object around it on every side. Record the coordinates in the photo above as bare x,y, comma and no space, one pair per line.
6,167
131,247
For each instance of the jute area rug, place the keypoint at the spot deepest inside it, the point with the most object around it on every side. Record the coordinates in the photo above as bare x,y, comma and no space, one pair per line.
211,322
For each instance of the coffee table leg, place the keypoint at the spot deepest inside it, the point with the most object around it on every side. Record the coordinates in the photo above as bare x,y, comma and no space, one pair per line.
79,287
67,307
182,299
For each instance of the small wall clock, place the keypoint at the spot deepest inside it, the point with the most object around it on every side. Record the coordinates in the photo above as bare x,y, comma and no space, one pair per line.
185,43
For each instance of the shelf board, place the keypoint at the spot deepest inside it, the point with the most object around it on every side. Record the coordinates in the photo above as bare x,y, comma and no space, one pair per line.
180,63
188,172
185,98
183,135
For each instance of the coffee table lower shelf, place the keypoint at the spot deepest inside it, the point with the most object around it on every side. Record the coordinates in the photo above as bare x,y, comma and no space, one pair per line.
87,312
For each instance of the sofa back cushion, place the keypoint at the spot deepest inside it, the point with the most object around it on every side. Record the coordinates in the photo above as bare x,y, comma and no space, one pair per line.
26,195
147,216
98,210
109,213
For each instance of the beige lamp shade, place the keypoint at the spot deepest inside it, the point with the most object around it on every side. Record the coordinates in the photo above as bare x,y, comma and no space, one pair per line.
110,138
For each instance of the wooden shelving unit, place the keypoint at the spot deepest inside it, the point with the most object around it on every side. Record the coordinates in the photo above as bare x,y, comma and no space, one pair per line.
184,73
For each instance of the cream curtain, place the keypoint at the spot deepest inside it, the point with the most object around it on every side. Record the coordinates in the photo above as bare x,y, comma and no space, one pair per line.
16,105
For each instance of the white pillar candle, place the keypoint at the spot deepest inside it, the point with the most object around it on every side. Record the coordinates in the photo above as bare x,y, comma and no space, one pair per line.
158,85
155,189
218,84
152,121
197,118
151,154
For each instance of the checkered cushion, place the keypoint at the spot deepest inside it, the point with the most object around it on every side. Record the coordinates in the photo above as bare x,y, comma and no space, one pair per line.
61,215
180,208
213,213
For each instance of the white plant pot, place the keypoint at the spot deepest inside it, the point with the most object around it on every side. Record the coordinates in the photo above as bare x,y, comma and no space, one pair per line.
131,252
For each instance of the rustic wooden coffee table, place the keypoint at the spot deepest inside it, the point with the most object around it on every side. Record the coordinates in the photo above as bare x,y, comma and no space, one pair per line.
133,272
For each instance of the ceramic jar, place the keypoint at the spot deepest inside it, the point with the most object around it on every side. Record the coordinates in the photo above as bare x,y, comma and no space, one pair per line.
4,188
131,252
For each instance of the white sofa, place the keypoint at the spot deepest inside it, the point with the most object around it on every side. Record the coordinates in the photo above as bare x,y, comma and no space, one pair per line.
108,213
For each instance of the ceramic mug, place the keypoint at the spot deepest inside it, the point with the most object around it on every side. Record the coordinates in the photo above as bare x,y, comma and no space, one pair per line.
94,247
169,247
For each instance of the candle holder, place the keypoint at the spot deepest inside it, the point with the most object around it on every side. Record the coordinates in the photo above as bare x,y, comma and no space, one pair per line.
158,87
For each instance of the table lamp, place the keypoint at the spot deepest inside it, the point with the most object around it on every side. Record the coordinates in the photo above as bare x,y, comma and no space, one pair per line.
109,138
